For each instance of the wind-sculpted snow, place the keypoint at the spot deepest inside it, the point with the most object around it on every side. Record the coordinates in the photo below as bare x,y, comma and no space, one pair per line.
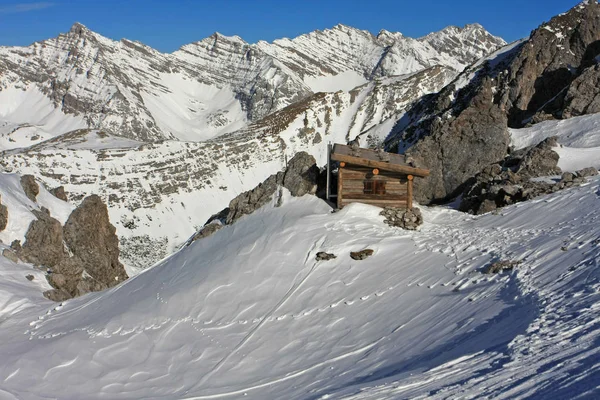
249,311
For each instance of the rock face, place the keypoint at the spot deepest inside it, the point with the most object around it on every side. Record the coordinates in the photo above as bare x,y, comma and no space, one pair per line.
300,178
464,128
30,187
80,257
3,216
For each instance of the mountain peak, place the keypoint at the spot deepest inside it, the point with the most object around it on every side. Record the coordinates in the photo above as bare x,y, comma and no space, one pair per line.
79,28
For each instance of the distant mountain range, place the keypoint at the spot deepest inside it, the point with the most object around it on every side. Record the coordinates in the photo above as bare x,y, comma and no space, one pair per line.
217,85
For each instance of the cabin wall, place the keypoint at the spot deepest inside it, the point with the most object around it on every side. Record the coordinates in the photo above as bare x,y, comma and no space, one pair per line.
351,186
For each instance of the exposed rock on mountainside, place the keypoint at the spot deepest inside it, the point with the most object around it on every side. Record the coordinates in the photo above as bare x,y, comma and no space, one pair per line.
80,257
300,178
464,127
30,187
511,181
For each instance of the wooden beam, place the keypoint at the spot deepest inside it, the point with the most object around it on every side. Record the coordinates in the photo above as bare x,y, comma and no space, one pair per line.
379,203
340,179
410,192
375,197
380,165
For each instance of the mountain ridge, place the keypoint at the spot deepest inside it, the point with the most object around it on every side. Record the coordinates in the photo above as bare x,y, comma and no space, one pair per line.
209,87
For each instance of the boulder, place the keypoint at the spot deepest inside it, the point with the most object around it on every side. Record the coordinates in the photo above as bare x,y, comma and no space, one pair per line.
499,266
324,256
361,255
30,186
300,176
11,255
587,172
59,193
3,216
206,231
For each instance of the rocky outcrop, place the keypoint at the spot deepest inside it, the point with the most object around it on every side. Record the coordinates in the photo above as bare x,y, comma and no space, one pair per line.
510,181
464,128
300,178
3,216
81,257
44,241
540,160
30,186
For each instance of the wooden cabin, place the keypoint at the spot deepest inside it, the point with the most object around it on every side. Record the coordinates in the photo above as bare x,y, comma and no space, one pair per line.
374,177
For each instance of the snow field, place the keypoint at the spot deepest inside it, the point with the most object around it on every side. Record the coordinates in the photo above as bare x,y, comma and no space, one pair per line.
249,311
579,138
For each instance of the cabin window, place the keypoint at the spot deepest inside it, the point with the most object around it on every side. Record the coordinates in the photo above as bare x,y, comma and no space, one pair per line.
374,187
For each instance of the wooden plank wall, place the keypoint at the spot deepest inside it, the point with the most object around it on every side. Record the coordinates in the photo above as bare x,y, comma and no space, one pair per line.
352,188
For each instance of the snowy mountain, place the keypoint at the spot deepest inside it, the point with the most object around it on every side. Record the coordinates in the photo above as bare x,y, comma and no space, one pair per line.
217,85
249,312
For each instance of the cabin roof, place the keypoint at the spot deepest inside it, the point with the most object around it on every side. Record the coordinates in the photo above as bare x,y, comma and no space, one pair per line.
371,158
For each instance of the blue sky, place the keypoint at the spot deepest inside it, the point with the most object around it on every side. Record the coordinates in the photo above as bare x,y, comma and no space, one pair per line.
167,25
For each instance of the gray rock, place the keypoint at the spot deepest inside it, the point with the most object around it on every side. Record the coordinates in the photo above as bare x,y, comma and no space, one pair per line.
30,187
500,266
567,177
361,255
91,237
81,257
29,277
541,160
16,245
59,193
486,206
3,216
402,218
43,241
587,172
324,256
300,178
206,231
11,255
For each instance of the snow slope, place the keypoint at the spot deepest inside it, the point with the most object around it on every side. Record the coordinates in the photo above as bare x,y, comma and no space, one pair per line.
248,312
579,138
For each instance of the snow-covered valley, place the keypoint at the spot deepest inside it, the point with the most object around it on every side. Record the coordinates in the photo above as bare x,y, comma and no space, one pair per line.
250,312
